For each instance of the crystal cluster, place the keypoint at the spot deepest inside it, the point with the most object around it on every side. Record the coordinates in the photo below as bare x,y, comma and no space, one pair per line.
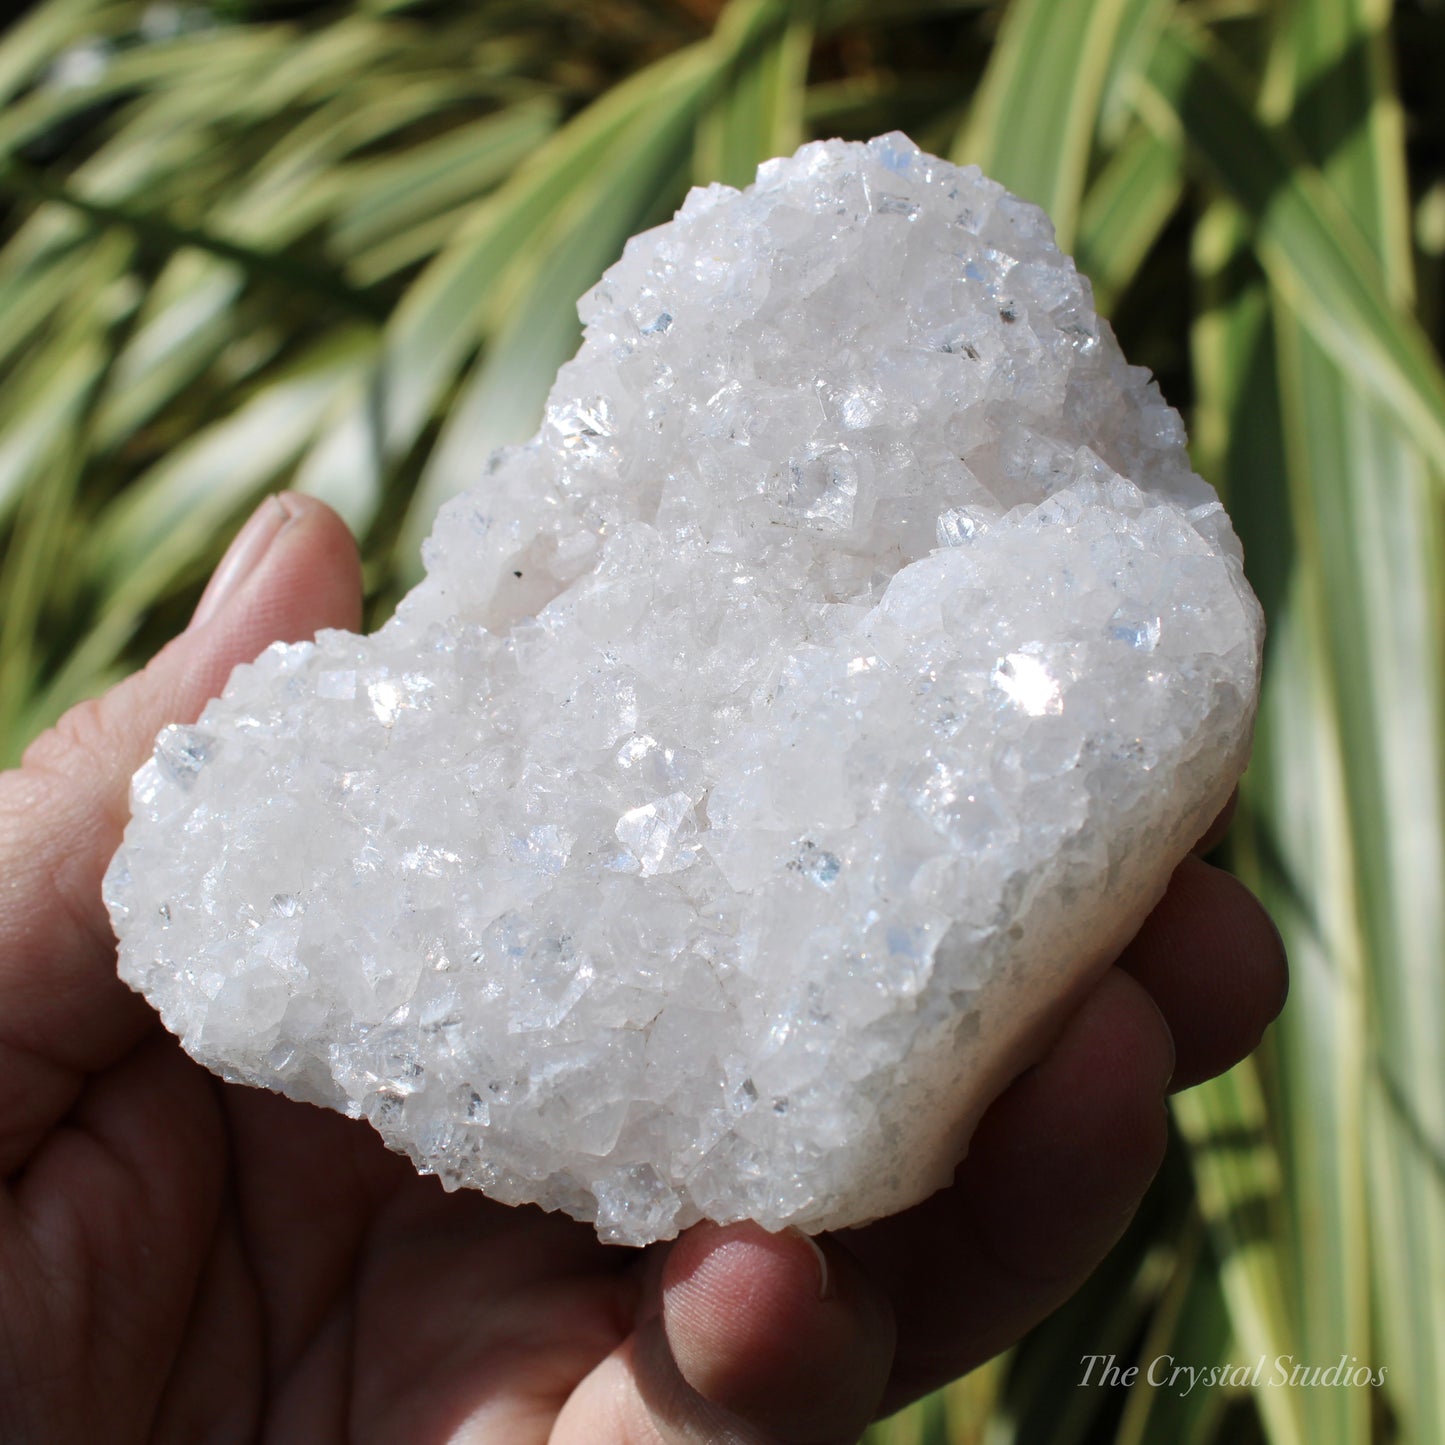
778,742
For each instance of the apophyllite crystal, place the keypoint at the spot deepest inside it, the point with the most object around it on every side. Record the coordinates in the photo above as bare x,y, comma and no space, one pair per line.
778,743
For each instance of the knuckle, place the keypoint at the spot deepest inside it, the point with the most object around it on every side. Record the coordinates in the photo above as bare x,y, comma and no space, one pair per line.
80,738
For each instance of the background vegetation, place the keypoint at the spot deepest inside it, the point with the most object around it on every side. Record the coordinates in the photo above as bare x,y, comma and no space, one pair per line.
336,247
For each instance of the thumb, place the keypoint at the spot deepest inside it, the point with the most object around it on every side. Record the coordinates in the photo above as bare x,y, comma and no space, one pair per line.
292,569
744,1337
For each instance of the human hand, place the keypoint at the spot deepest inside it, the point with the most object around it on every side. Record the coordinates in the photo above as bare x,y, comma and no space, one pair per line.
187,1260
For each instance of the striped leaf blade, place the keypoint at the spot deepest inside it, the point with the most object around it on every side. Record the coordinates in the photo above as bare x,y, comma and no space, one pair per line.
1316,259
1033,120
1363,496
1125,210
1228,1122
758,110
440,322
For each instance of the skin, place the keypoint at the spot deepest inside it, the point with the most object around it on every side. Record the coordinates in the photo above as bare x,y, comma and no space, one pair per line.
187,1260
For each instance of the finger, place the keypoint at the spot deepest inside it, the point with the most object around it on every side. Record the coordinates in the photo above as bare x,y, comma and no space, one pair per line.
1213,961
1054,1174
114,1215
759,1338
62,812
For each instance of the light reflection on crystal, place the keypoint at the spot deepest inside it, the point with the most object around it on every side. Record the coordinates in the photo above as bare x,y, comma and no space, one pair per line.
660,834
582,426
1029,683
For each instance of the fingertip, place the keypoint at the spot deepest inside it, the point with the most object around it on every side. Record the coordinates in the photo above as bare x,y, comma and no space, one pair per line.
307,578
781,1330
318,581
1212,959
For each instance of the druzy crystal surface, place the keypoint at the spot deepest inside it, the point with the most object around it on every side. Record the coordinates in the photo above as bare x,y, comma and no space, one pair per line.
777,744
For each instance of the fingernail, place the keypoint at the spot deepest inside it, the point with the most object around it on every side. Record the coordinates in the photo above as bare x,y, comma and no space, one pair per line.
824,1279
242,558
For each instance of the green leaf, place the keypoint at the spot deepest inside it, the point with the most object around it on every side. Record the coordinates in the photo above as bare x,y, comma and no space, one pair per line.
218,66
1043,1396
1307,242
35,288
1033,121
31,43
1126,208
440,321
345,467
169,516
170,522
1240,1175
585,191
40,465
393,194
759,110
1189,1328
186,321
1237,1174
168,236
536,324
1368,521
1294,850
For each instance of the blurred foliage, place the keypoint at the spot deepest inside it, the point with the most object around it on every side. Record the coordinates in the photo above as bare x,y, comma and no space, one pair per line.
335,247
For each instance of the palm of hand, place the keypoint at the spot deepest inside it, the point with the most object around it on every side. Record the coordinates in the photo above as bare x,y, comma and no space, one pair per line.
209,1259
184,1259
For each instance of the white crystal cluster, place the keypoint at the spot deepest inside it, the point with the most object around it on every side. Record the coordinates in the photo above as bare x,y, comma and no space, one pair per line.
777,744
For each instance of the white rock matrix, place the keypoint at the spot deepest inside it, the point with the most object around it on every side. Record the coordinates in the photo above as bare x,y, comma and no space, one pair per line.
779,741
